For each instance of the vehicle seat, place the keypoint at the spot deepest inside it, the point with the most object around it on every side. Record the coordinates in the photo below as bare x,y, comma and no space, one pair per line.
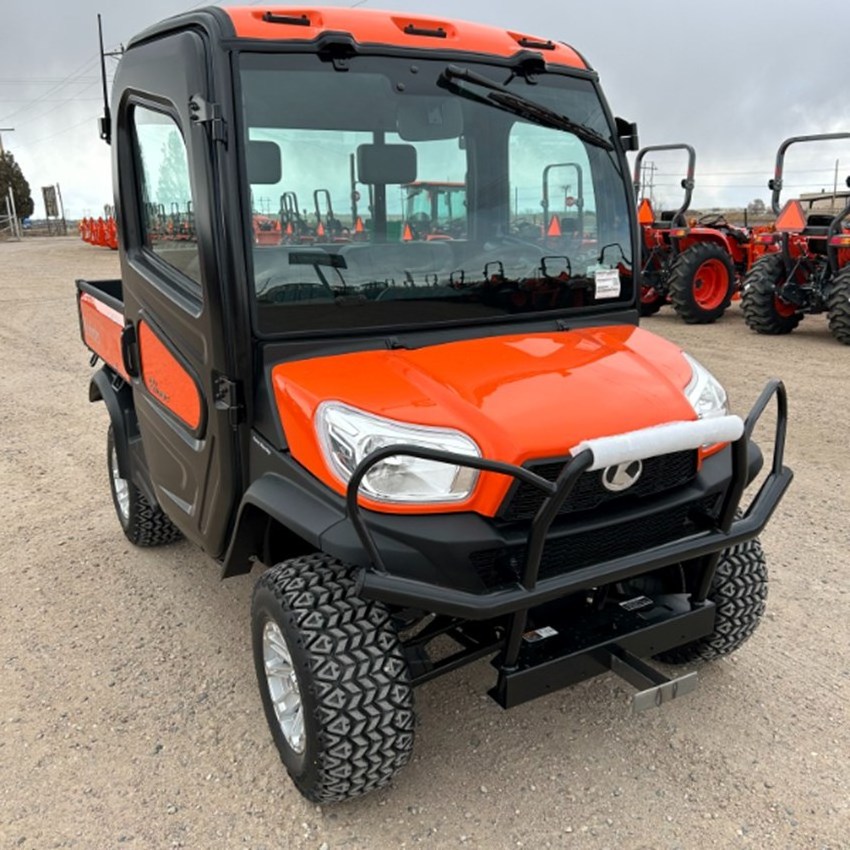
668,219
817,229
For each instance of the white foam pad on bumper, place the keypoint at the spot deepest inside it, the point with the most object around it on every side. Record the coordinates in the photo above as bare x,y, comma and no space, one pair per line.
661,440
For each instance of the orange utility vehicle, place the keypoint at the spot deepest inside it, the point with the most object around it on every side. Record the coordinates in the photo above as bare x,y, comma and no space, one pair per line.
810,273
693,265
462,443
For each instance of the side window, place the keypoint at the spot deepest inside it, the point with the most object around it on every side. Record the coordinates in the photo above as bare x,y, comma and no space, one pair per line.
168,221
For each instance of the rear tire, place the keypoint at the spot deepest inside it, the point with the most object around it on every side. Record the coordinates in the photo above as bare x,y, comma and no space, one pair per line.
143,524
764,311
702,282
838,305
739,590
342,711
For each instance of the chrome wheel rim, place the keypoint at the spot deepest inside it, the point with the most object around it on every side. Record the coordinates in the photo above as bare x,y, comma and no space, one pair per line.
283,686
120,486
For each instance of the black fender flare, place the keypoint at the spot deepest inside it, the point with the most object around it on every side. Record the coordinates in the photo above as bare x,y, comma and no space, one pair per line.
303,516
107,386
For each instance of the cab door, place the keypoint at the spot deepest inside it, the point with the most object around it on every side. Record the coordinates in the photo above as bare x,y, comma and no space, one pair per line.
176,338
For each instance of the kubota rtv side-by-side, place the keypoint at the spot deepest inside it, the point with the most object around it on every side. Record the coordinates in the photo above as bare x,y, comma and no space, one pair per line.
811,271
458,442
693,265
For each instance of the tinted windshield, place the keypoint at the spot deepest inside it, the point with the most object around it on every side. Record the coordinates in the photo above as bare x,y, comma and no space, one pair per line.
390,195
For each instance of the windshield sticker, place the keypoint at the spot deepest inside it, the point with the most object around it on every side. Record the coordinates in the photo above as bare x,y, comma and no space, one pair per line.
607,283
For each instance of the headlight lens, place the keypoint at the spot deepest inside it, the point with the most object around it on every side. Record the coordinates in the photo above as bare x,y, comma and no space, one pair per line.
705,392
347,435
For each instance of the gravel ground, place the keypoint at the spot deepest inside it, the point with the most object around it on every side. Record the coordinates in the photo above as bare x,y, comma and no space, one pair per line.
129,711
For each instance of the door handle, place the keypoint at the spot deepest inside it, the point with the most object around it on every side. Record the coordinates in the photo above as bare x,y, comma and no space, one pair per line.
130,351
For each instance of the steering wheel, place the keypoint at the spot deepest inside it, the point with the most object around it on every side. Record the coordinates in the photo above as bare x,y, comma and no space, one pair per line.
713,220
285,293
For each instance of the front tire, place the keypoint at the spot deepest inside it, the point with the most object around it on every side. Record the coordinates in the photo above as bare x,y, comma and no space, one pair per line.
739,592
838,305
764,311
702,282
143,524
333,680
651,300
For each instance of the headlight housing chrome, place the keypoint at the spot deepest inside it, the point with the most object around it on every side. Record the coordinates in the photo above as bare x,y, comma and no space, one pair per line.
348,435
704,392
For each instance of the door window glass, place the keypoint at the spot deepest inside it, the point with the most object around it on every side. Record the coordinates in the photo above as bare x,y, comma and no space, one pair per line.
168,219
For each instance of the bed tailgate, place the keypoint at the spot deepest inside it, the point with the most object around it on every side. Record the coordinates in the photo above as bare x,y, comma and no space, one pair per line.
101,308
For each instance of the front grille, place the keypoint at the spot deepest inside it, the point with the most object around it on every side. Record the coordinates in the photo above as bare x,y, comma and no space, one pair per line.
568,552
660,474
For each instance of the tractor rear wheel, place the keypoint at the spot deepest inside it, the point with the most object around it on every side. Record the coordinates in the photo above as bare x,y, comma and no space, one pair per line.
702,282
764,311
333,679
838,304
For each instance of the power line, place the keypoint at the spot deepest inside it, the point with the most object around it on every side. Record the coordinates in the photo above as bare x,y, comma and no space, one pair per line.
69,78
90,120
52,109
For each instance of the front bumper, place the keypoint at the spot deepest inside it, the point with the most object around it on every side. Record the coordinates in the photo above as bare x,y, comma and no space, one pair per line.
699,550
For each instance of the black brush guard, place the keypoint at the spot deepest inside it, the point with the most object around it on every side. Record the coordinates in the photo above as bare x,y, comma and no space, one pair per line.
586,655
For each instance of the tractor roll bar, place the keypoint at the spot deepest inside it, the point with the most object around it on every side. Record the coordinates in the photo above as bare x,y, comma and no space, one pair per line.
775,183
579,189
687,183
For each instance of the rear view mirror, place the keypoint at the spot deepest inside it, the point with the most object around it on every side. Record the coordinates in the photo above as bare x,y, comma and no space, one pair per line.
383,164
424,119
628,133
264,163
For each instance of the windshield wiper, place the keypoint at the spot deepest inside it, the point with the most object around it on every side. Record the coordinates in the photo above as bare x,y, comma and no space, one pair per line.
518,105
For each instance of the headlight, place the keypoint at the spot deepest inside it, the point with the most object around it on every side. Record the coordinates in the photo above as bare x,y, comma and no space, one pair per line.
347,435
705,392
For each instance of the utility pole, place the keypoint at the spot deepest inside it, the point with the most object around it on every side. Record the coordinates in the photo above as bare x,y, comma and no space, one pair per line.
835,186
4,130
651,167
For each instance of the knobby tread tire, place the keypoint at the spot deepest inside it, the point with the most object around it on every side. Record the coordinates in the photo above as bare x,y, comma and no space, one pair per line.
147,525
758,302
150,525
682,281
352,673
739,591
838,305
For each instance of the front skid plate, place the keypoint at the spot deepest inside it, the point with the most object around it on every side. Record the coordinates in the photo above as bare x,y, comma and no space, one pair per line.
612,640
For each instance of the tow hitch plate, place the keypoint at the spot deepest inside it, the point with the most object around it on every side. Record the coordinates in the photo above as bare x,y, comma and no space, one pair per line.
654,688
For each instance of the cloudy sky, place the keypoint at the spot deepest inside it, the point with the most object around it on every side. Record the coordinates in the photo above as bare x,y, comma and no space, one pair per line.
731,78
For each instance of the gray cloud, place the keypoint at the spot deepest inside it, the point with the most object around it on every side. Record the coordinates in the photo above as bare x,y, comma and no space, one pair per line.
731,78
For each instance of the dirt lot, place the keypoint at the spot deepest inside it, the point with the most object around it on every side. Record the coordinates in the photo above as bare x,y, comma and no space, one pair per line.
129,711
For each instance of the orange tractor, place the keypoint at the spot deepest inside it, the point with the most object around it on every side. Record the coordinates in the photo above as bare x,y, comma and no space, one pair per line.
695,265
810,273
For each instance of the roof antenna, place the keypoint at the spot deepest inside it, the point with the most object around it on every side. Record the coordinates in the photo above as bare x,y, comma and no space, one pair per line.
106,121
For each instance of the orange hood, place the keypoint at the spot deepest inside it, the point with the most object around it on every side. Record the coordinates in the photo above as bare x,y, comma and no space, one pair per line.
519,397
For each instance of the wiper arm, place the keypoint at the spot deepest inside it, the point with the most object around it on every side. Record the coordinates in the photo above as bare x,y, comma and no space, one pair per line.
518,105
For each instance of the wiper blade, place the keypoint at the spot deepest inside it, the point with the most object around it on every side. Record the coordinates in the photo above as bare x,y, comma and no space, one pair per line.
518,105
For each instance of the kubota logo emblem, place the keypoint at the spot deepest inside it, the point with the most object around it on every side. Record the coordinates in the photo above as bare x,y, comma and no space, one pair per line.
621,476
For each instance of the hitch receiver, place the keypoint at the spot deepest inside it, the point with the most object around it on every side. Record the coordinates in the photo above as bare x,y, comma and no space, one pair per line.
654,688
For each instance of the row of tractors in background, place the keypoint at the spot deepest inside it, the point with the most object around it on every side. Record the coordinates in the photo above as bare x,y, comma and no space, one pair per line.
798,265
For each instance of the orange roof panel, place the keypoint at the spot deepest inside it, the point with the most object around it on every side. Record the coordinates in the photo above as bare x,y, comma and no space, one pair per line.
399,29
